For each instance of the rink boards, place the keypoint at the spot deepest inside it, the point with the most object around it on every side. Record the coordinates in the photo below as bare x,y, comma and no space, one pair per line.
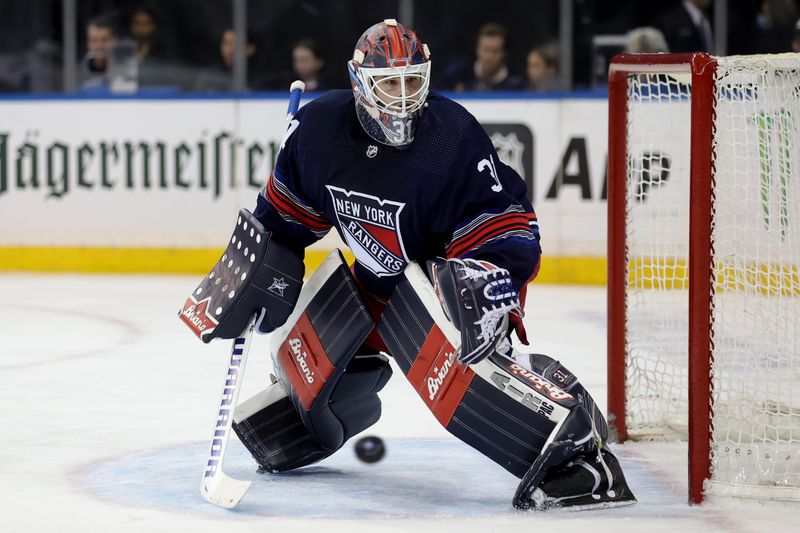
154,185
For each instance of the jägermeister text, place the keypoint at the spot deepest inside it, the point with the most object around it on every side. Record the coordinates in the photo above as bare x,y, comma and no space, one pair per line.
211,162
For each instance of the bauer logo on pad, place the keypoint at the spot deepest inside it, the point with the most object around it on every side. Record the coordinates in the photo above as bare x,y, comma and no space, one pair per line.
195,315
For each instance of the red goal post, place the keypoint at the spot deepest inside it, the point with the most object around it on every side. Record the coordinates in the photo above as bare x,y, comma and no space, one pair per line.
697,148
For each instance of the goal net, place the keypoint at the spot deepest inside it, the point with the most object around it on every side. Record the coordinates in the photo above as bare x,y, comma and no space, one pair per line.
704,251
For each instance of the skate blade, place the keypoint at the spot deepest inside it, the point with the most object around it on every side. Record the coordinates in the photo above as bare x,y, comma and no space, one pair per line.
567,508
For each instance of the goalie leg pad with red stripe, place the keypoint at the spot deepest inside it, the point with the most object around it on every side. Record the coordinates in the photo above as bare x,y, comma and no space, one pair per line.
497,406
329,391
526,412
554,372
272,429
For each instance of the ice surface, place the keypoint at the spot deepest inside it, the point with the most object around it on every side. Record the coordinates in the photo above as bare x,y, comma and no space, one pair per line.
109,401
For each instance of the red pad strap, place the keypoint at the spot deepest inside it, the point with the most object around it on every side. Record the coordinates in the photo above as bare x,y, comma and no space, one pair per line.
305,362
436,376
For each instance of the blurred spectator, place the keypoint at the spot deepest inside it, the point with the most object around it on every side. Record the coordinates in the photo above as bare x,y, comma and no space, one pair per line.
488,72
219,78
227,48
158,69
796,37
646,41
307,64
542,69
773,27
45,64
145,31
686,27
13,73
30,46
101,35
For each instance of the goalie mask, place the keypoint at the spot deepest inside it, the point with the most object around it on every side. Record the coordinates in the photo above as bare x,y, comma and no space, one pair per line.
390,75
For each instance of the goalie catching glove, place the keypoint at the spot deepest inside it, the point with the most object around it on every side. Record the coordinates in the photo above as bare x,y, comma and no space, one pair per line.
477,297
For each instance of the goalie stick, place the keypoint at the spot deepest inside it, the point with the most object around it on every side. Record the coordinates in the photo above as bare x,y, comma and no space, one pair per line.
216,486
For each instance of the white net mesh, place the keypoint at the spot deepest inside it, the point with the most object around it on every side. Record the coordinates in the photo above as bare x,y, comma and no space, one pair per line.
756,307
756,242
658,249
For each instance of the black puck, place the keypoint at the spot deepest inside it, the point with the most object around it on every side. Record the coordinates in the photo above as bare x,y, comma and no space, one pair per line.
370,449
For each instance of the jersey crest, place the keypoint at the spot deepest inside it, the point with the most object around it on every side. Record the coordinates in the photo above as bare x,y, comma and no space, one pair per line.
371,228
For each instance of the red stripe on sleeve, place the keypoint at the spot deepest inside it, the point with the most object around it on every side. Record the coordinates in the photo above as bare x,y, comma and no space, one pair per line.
285,204
483,233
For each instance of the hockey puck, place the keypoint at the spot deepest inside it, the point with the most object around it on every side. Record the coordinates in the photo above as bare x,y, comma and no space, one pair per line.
370,449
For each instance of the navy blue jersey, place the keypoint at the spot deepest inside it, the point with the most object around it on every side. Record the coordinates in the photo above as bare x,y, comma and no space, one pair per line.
445,195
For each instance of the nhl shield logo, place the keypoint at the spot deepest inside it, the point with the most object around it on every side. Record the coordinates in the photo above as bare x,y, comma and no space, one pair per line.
371,228
510,150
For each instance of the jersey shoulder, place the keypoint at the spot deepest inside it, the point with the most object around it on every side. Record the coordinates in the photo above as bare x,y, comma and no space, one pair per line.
444,108
331,100
321,122
326,111
448,136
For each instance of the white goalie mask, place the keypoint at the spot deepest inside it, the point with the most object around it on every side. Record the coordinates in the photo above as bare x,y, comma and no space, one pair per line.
390,76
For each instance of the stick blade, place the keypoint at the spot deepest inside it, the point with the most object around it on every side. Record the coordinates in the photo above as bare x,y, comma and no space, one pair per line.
223,490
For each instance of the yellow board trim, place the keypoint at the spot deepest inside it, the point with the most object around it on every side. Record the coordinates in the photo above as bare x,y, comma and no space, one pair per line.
735,275
567,270
573,270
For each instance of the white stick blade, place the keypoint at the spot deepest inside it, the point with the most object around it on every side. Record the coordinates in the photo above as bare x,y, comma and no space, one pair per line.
224,491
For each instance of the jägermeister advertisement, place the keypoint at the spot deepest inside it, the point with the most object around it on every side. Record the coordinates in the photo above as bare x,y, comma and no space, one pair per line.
132,172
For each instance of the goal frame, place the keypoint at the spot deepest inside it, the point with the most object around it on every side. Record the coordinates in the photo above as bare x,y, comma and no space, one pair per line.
702,68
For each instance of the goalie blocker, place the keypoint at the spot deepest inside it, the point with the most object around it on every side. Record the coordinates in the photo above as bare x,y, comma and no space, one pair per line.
524,411
255,274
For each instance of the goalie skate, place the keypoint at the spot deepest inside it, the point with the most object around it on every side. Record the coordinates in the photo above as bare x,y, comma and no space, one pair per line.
589,481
